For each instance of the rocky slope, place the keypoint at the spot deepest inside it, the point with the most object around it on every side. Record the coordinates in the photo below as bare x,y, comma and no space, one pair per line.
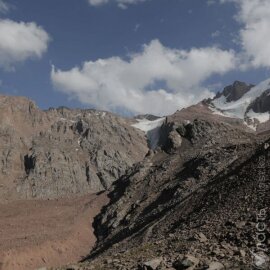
194,204
195,201
59,152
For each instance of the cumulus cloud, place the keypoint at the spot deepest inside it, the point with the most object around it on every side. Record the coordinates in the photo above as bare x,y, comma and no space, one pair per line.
254,35
4,7
121,3
157,80
20,41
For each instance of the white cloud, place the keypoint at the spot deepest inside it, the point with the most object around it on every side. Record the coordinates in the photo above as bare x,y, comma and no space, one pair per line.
4,7
97,2
20,41
121,3
157,80
254,35
215,34
137,26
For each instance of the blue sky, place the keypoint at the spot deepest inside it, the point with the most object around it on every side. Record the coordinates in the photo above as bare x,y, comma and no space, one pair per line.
136,43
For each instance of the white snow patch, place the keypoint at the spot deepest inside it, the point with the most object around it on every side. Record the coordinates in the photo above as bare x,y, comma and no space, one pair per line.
261,117
147,125
216,111
64,120
187,122
252,126
99,113
151,128
234,109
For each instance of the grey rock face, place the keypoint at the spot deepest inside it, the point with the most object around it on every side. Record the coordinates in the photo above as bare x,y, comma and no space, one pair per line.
151,265
261,104
147,116
235,91
61,152
189,262
215,266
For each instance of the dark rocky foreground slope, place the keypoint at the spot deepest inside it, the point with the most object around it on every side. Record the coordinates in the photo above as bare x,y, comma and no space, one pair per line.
61,152
193,203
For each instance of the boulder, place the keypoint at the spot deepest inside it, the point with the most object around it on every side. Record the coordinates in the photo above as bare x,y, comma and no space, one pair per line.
151,265
189,262
215,266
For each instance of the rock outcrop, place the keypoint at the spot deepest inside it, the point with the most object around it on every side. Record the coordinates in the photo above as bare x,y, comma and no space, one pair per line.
60,152
235,91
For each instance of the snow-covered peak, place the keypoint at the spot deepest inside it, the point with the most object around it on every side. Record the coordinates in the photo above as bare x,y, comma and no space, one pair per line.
151,129
242,108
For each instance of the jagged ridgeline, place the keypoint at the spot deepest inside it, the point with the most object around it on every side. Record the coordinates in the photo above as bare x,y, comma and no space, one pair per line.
60,152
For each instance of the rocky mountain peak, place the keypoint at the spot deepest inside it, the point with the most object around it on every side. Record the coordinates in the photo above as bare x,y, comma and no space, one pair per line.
262,103
149,117
10,105
62,152
235,91
244,101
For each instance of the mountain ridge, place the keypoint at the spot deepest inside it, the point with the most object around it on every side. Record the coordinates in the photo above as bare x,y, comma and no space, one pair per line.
38,148
183,190
250,103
